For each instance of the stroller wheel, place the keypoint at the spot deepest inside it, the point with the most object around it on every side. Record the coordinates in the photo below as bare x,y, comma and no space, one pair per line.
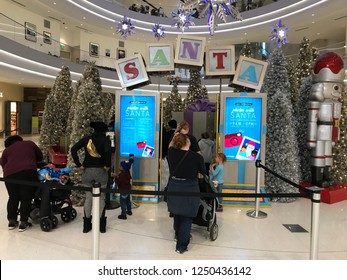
73,214
55,221
66,216
214,232
46,224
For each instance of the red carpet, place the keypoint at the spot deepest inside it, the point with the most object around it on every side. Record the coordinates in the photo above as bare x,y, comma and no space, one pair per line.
332,194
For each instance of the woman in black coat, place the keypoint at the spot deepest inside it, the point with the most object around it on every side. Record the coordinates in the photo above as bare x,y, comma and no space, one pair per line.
184,165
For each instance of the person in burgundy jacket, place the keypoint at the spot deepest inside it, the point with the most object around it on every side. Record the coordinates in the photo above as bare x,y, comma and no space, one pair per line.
123,182
19,161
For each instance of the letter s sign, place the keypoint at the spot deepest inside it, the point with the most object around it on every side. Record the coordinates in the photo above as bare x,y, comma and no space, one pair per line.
131,70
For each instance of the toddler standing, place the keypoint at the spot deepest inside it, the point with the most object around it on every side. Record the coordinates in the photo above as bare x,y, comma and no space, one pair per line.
217,176
123,182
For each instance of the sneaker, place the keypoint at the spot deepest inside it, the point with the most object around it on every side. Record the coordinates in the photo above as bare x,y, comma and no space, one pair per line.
181,251
129,212
24,226
122,217
12,225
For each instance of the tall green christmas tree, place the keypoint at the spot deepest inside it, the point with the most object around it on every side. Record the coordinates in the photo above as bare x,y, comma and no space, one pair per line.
247,50
56,112
305,60
195,91
293,82
173,103
281,145
301,123
338,170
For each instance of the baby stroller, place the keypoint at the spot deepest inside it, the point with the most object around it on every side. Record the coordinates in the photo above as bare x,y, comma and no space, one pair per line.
50,201
206,216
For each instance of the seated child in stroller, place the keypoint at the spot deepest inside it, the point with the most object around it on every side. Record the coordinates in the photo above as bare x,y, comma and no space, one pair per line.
51,201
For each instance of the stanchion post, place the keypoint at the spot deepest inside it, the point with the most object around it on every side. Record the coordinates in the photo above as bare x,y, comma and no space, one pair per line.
316,196
96,220
256,213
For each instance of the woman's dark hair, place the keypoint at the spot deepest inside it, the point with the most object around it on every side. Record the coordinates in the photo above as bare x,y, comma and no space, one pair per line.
179,140
205,135
12,139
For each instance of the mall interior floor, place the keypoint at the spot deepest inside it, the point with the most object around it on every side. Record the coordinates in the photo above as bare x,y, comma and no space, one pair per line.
148,235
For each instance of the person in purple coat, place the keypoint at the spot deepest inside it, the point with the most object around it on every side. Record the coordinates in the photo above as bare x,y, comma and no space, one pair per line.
19,161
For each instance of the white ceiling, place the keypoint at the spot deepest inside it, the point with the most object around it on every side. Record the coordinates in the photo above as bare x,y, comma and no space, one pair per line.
325,22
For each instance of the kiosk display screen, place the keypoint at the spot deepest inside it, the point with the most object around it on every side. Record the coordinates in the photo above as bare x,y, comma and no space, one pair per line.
137,126
242,122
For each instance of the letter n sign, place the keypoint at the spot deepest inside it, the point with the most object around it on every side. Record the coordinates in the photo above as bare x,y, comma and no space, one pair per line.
131,71
250,72
190,50
220,60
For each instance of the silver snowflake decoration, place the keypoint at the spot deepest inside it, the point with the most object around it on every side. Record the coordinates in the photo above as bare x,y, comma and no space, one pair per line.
183,18
279,33
158,31
125,27
214,9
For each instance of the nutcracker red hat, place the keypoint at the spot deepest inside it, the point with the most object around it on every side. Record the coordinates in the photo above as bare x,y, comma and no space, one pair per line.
328,67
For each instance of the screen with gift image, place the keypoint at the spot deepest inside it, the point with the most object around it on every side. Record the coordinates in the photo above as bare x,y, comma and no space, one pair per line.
242,121
137,125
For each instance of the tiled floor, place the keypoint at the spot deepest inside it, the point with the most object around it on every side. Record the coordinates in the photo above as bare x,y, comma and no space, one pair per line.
148,234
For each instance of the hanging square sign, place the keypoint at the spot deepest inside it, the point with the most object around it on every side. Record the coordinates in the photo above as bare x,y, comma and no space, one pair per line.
131,71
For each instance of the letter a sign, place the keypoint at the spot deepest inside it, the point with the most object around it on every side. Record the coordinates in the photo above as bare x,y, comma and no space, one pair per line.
190,50
131,71
160,57
250,72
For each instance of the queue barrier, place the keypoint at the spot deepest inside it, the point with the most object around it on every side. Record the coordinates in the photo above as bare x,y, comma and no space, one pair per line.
311,193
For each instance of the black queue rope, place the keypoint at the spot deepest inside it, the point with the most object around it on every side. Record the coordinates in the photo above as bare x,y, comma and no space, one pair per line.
307,193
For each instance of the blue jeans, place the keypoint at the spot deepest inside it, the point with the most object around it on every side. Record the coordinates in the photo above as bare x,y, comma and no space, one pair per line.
125,203
182,227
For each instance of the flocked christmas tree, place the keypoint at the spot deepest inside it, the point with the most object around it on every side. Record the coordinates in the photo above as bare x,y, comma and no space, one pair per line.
301,123
73,107
56,112
281,145
173,103
338,171
195,90
89,107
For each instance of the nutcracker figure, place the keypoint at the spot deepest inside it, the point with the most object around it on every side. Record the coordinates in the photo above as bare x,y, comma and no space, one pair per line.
324,115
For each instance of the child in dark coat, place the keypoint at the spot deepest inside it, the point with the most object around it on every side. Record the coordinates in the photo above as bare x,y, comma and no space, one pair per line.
123,182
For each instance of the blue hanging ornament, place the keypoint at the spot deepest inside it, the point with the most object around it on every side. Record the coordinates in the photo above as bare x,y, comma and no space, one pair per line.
125,27
279,33
182,18
158,31
214,9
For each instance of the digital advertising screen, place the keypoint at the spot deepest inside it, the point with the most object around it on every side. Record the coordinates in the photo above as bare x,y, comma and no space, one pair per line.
137,126
242,128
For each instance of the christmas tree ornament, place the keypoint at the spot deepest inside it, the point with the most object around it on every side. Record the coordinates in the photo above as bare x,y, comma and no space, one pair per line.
125,27
183,18
279,33
158,31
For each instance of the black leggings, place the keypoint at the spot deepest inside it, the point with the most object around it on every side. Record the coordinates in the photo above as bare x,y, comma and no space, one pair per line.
22,194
